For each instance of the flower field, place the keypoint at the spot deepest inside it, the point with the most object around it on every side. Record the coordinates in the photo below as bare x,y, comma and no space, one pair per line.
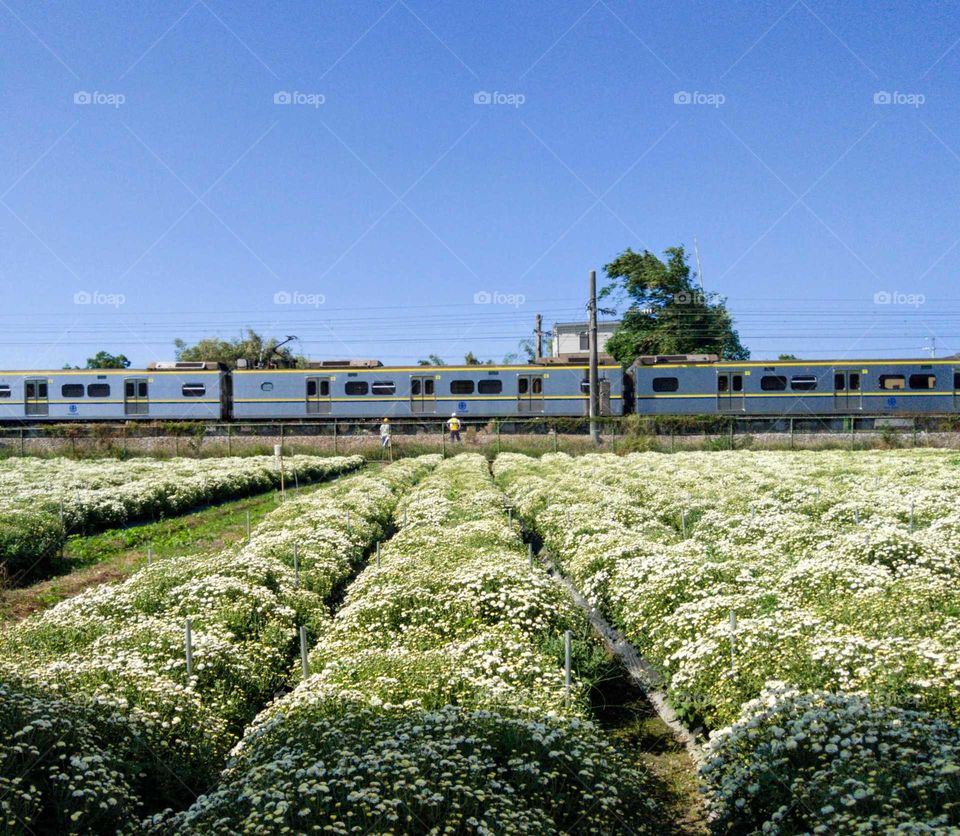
436,698
100,721
803,607
42,500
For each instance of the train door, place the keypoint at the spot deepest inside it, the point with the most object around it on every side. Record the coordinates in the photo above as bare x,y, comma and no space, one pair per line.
847,389
319,401
423,394
136,396
730,392
530,393
35,393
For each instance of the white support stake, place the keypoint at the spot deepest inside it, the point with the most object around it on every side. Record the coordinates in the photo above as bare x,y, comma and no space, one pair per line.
304,661
683,521
566,654
248,526
733,639
911,516
149,557
188,642
378,554
530,555
296,567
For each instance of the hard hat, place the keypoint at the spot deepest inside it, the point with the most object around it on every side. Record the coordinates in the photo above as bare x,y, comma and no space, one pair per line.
453,414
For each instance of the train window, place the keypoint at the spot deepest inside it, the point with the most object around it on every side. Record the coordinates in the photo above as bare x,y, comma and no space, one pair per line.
98,390
415,386
267,386
193,390
722,383
383,387
773,383
956,381
4,391
738,383
666,384
803,382
311,388
490,387
923,381
461,387
36,389
538,386
71,390
356,387
892,381
325,388
522,385
854,382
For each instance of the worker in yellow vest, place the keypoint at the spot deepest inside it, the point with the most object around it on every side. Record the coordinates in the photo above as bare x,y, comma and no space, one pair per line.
454,426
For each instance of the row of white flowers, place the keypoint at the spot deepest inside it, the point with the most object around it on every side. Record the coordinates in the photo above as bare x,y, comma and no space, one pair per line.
834,572
436,702
42,500
111,662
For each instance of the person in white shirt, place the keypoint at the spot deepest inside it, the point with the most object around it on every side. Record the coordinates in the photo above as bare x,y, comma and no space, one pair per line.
385,430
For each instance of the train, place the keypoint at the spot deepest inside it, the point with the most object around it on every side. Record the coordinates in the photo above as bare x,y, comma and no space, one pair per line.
551,387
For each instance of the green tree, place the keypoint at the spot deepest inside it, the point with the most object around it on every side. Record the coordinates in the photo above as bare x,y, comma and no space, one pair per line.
666,312
432,360
253,348
106,360
788,357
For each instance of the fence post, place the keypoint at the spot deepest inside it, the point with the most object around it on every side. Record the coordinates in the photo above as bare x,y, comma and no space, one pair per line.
304,661
443,442
334,436
229,439
296,567
791,433
149,557
188,644
21,442
378,554
498,436
566,664
530,555
248,526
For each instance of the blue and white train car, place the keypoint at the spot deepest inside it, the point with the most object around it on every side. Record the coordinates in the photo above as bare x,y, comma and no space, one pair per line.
163,391
702,386
366,389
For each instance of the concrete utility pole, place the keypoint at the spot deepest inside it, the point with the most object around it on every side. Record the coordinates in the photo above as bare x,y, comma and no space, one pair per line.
538,333
594,382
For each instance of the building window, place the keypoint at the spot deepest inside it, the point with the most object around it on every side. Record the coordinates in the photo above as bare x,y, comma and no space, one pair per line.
4,391
356,387
193,390
923,381
773,383
461,387
666,384
803,382
584,341
490,387
892,381
383,387
98,390
71,390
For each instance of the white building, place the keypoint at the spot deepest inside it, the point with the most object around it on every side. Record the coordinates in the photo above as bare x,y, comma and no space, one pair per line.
574,338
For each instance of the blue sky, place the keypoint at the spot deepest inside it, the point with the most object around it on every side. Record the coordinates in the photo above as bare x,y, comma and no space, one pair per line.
356,173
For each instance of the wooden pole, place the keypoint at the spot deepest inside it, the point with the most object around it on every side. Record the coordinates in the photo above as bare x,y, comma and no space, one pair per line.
594,372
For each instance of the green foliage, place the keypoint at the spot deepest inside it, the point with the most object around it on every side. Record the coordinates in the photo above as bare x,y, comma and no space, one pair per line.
667,312
254,348
106,360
